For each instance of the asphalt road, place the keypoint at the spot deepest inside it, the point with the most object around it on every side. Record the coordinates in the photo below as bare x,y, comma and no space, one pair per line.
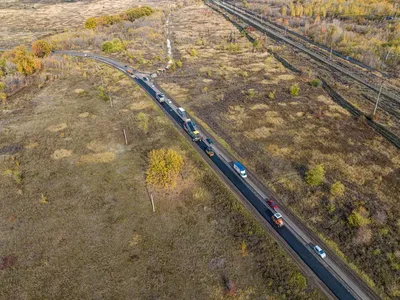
332,276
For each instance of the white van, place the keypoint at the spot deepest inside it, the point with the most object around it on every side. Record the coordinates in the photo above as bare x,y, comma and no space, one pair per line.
182,113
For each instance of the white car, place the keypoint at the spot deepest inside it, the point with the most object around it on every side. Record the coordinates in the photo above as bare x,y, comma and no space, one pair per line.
321,253
160,97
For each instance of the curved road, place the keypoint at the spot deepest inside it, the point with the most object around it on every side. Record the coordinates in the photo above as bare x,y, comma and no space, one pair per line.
333,277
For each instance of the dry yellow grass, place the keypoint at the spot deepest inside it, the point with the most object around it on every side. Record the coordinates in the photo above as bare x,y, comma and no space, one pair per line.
176,91
286,77
259,106
259,133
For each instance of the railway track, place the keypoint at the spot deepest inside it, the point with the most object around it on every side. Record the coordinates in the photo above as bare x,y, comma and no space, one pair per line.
390,98
391,137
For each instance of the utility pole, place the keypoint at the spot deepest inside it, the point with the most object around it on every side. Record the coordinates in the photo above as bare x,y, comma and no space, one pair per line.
330,54
152,202
377,100
386,57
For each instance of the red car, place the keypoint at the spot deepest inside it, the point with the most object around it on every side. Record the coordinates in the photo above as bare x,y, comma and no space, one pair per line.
272,204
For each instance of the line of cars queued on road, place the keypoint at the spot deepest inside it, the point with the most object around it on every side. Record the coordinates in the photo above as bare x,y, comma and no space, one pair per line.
190,127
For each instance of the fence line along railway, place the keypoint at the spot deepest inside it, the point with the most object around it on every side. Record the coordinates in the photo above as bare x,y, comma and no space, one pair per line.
387,134
389,98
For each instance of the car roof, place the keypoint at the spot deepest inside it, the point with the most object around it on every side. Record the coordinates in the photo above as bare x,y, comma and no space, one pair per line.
240,166
181,109
318,248
277,215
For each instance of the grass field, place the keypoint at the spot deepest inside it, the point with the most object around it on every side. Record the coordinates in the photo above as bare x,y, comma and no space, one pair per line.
76,218
244,95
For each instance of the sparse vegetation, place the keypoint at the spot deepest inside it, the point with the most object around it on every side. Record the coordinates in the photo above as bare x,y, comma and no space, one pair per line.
103,94
337,189
316,82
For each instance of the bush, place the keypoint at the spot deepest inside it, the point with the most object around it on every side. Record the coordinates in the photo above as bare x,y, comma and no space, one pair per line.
359,217
376,252
136,13
25,61
233,47
337,189
315,176
3,98
41,48
102,94
298,281
316,83
193,52
164,166
251,93
178,64
271,95
2,86
294,90
90,23
129,15
113,46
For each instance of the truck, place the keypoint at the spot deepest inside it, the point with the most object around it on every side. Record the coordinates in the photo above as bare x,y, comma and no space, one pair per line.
277,219
190,128
238,167
182,113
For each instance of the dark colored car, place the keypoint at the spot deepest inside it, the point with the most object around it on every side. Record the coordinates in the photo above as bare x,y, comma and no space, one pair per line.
272,204
210,141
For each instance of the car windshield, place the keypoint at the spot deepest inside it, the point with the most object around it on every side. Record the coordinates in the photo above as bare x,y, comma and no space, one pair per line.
191,127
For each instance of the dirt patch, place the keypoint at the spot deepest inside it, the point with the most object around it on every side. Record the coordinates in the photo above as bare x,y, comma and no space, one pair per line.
141,105
286,77
103,157
84,115
58,127
61,153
